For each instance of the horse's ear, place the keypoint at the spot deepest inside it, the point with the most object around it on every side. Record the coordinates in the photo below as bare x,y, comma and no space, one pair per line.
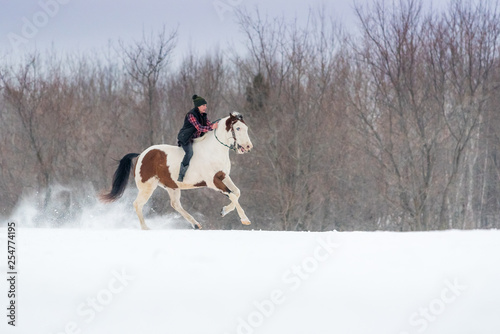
236,115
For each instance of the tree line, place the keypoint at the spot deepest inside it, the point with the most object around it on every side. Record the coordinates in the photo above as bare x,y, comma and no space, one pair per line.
392,126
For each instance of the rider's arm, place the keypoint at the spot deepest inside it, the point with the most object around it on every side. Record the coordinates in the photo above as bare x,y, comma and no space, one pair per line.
198,126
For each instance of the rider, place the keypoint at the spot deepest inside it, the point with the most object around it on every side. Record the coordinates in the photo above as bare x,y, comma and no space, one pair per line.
195,125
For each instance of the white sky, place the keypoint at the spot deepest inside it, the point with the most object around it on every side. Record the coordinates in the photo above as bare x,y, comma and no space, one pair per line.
89,25
69,26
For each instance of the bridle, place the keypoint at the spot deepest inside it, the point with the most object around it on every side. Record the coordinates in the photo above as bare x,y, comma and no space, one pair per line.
233,146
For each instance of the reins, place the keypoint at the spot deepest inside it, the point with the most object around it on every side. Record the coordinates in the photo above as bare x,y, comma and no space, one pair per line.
233,146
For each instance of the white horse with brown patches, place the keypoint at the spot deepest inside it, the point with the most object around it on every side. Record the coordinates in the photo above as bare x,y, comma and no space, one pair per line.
210,166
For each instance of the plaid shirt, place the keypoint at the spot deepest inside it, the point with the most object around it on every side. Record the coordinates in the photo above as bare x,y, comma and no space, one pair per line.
199,128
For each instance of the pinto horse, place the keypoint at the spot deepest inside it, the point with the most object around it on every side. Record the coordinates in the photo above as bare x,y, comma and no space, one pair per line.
159,165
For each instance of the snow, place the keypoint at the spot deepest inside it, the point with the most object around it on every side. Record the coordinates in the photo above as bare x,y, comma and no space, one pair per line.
124,280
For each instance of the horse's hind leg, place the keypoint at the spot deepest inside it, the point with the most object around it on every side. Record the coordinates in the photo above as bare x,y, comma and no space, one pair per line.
175,201
145,192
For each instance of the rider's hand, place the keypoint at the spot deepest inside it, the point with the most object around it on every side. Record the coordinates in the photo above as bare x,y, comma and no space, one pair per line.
215,125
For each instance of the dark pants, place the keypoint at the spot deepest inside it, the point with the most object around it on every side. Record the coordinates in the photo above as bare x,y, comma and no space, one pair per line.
188,148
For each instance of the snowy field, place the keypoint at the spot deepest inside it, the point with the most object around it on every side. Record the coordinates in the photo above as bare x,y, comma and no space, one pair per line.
125,280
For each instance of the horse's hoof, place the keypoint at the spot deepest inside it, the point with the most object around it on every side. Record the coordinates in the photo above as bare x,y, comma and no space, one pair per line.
145,228
245,222
223,212
197,227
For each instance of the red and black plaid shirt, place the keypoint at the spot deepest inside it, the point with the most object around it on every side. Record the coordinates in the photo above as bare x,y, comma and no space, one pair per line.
199,128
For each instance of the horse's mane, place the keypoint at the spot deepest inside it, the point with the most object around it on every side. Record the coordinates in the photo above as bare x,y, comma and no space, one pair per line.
202,138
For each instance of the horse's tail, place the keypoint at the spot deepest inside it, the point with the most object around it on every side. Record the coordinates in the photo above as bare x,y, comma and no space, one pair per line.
120,179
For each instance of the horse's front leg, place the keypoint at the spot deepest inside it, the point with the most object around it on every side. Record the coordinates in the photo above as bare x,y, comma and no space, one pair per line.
175,201
234,195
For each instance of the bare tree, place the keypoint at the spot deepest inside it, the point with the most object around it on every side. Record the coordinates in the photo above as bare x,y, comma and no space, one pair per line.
144,62
464,66
23,90
422,86
289,84
401,128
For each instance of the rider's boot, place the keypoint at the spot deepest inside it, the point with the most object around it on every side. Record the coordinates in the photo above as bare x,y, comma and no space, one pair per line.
182,172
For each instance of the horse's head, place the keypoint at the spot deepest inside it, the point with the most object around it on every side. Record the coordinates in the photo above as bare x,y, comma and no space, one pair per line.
239,130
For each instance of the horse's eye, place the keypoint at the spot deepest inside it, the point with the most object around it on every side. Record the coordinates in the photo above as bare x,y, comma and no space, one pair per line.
237,129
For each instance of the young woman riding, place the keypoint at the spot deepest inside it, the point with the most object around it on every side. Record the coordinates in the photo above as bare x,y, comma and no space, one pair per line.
196,124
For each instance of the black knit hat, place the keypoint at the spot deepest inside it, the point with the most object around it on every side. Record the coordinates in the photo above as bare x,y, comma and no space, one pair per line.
198,101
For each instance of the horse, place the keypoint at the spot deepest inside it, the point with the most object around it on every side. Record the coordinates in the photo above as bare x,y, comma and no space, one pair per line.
159,165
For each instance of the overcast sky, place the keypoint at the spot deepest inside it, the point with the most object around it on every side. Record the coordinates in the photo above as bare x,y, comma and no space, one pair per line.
88,25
